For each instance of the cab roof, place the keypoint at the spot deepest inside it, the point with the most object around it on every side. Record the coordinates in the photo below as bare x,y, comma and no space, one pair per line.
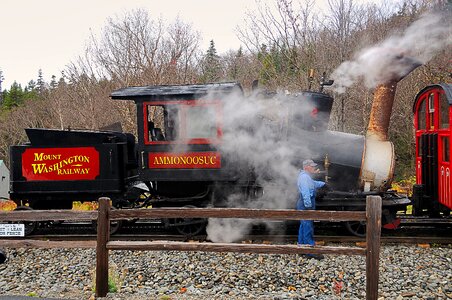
168,92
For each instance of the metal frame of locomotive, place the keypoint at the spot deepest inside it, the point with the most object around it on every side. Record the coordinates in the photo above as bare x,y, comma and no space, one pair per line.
432,194
181,164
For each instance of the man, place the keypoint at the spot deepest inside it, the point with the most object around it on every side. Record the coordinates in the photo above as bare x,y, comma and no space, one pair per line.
307,188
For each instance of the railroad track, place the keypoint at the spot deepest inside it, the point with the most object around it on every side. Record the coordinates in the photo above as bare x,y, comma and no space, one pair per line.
413,230
256,238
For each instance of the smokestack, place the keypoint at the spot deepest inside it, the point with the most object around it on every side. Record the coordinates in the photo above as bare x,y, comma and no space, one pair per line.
384,95
380,113
378,159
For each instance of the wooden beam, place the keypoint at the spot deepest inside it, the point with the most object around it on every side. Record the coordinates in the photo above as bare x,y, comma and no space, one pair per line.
227,247
373,234
280,214
47,215
47,244
103,235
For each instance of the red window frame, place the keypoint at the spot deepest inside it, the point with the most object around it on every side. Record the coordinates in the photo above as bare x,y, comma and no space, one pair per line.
183,104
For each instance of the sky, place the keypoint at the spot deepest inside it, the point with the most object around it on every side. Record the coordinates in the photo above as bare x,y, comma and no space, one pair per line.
48,34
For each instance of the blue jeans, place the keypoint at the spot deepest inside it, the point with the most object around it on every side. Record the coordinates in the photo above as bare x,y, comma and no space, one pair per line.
306,233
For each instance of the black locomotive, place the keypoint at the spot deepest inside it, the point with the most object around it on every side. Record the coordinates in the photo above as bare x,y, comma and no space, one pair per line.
205,145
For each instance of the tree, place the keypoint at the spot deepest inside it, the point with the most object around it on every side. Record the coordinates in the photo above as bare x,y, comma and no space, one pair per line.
30,91
211,65
288,29
40,83
135,49
1,91
31,85
180,53
53,82
14,97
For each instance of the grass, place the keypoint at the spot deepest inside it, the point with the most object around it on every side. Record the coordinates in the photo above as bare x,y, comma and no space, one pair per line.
112,285
113,280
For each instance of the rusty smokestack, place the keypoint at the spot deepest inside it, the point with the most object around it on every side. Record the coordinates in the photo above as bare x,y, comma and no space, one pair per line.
377,168
380,113
384,95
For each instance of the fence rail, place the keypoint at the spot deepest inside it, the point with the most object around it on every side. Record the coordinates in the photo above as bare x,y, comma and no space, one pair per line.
105,214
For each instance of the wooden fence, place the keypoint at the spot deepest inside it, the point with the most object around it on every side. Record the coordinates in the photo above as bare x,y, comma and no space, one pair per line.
105,214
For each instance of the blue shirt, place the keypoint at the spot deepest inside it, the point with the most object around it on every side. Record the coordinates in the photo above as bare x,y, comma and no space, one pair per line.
307,188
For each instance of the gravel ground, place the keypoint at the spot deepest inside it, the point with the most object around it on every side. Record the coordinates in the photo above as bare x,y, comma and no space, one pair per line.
406,272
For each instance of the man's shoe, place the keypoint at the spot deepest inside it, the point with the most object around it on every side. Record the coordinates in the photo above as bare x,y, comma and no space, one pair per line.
315,256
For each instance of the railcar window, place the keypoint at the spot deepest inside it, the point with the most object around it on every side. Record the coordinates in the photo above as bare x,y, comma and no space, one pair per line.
431,103
446,149
444,109
431,110
419,146
201,122
421,117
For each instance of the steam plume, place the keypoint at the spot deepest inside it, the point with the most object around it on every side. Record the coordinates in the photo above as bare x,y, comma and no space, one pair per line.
256,139
420,41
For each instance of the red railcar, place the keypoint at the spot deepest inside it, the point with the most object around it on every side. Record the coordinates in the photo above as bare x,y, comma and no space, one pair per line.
432,119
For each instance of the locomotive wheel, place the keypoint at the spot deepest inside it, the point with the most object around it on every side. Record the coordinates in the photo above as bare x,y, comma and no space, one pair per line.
190,227
114,225
30,226
357,228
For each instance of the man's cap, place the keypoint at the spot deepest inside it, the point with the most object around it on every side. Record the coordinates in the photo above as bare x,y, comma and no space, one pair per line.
309,162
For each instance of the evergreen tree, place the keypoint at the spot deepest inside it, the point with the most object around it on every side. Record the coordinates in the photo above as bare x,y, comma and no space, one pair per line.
40,84
53,82
31,85
30,91
1,91
236,64
14,97
211,65
61,81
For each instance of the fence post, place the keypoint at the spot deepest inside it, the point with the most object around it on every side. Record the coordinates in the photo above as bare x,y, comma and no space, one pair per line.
103,235
373,233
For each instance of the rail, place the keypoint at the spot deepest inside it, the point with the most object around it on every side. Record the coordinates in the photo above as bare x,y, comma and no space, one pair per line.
104,215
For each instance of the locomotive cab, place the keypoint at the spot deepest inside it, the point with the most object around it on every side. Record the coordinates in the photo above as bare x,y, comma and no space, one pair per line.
432,193
179,131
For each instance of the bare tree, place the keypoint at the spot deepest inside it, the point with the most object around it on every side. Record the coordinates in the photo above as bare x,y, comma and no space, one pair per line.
287,29
131,50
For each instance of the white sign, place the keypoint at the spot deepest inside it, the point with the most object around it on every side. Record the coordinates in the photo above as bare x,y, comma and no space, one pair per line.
12,230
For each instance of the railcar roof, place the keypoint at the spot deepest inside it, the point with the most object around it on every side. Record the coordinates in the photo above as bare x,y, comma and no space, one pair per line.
160,92
446,87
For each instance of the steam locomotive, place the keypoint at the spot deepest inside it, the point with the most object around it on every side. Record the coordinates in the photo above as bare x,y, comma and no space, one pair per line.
209,145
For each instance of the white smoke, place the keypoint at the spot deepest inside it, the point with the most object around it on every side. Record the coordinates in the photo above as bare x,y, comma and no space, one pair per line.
256,138
378,64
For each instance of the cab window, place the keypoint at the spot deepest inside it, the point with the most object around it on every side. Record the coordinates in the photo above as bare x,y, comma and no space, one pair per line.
201,122
181,121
